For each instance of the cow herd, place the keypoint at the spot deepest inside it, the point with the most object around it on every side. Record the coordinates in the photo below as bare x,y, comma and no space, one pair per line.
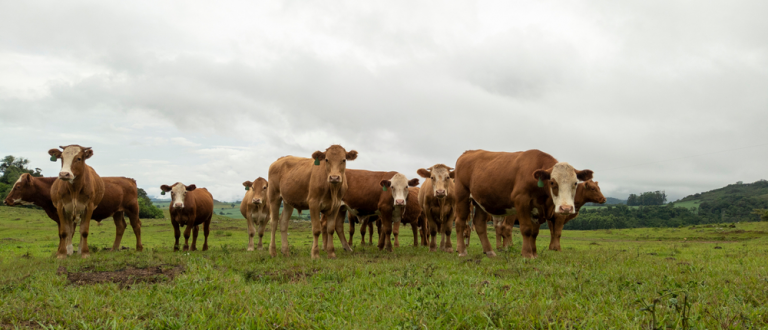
529,188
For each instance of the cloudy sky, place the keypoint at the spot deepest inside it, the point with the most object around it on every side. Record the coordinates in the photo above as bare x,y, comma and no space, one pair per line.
651,95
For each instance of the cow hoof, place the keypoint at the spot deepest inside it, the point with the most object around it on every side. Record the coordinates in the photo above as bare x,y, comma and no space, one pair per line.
462,254
139,248
85,255
287,252
249,249
205,248
490,254
331,255
61,256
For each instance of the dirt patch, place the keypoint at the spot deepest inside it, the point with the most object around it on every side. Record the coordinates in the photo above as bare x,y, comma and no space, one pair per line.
127,276
287,276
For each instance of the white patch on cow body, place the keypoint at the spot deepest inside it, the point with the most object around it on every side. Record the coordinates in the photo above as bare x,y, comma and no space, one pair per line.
22,202
67,157
565,176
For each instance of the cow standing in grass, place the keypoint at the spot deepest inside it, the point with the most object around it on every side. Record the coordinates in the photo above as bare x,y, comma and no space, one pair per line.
255,209
317,184
586,192
75,194
503,183
437,198
190,206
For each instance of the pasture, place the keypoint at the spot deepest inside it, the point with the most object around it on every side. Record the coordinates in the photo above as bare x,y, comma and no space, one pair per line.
694,277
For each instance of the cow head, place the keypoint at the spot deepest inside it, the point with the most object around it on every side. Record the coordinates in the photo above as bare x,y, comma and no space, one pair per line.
335,160
72,160
561,181
398,186
258,190
178,193
21,192
442,179
592,193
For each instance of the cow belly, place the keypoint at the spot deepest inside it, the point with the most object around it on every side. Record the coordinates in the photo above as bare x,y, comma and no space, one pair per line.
495,211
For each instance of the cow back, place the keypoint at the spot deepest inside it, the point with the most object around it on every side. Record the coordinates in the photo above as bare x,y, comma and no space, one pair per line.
120,194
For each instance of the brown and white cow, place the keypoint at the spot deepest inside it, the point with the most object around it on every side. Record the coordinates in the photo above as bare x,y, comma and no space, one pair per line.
504,183
120,199
586,192
437,198
190,206
75,194
317,184
418,228
255,208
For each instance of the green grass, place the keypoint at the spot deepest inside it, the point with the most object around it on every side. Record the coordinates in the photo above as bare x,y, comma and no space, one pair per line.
227,209
602,279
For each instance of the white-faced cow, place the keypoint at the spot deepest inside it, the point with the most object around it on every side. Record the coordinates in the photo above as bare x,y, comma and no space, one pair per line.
318,184
255,208
503,183
190,206
437,198
75,194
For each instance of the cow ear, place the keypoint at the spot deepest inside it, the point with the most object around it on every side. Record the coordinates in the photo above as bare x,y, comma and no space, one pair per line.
352,155
385,183
247,184
87,153
452,175
413,182
55,153
424,173
584,175
318,155
542,174
165,188
191,187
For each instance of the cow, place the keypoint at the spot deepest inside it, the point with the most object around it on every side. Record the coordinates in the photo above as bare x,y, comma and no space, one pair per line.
504,183
586,192
255,209
467,234
75,194
503,227
437,198
120,199
189,207
318,184
367,222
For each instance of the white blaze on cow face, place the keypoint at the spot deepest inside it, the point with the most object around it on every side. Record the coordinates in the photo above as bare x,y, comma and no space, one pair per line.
562,187
399,186
70,155
178,193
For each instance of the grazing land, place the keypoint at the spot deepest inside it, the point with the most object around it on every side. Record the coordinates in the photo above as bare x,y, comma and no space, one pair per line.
711,276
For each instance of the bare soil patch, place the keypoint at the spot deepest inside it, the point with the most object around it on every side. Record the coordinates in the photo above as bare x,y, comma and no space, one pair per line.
127,276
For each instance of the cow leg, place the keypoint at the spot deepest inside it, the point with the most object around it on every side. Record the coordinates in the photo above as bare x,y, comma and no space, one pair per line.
529,231
352,220
330,227
317,229
64,229
370,231
415,230
340,229
263,219
133,217
462,215
195,231
274,213
187,232
507,230
85,224
448,247
363,223
176,233
251,227
555,232
481,227
396,233
423,230
206,230
119,229
497,227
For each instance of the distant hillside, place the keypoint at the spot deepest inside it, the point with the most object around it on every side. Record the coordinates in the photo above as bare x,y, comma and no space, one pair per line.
609,201
757,189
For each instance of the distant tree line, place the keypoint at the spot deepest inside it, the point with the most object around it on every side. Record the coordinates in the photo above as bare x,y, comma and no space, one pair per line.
147,210
647,198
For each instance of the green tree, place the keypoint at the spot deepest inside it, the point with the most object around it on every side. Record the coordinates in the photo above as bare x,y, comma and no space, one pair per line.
147,210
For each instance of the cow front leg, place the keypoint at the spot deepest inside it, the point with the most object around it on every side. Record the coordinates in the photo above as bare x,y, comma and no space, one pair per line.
481,227
340,229
462,216
187,233
555,232
251,227
529,231
264,218
447,232
85,224
64,229
396,232
274,214
177,234
329,228
415,230
317,230
120,226
195,231
497,227
284,221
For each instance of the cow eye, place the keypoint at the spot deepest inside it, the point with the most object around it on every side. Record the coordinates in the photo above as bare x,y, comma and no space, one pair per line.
79,159
326,160
343,160
265,188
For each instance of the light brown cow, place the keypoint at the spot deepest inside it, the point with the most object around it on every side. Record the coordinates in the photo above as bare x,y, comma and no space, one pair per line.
418,228
503,183
301,184
586,192
437,198
120,199
190,206
75,195
467,234
255,208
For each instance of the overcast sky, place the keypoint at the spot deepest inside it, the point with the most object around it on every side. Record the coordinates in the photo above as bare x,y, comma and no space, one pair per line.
651,95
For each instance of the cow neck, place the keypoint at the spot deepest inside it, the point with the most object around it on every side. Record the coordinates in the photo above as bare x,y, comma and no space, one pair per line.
579,199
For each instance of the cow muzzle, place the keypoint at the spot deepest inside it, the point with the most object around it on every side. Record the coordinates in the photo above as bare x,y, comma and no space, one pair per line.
440,193
66,176
178,205
334,179
399,202
256,201
565,209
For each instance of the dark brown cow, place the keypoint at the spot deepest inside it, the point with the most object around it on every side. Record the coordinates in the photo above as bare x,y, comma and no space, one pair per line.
189,207
416,221
367,222
75,195
437,198
586,192
255,209
303,185
503,183
120,199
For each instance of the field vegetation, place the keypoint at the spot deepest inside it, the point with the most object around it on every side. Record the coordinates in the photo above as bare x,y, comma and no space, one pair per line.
710,276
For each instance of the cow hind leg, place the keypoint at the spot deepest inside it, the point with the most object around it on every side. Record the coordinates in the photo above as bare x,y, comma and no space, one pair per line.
340,230
317,230
556,231
274,214
284,221
206,230
462,216
120,226
447,232
415,230
133,217
481,227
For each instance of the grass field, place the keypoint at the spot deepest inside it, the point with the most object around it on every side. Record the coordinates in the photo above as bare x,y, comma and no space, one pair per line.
226,208
709,277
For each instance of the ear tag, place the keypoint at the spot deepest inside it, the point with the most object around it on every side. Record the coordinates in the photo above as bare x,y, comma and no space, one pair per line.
317,161
53,158
384,188
247,188
541,183
162,192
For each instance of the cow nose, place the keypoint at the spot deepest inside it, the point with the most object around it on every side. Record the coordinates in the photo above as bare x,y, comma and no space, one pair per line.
178,205
566,209
65,175
334,178
256,201
399,202
441,193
